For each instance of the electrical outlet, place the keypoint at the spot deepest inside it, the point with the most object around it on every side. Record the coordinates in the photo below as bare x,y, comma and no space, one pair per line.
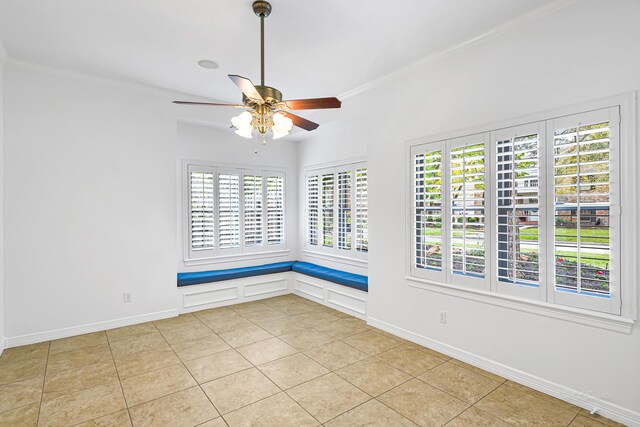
443,317
128,296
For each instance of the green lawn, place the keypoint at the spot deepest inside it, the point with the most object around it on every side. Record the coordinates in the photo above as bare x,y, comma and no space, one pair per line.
587,235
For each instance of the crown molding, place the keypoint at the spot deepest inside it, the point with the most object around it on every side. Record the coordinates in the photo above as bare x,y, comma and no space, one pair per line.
506,27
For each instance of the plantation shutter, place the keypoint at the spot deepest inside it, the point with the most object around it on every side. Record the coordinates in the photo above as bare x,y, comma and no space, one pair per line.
253,210
427,198
362,212
518,206
467,210
585,206
328,187
229,210
275,210
201,211
344,209
312,209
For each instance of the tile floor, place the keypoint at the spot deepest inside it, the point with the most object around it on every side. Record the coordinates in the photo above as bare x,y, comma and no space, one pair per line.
278,362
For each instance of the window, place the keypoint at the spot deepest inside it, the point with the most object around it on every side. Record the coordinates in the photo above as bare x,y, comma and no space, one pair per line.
234,211
517,200
336,211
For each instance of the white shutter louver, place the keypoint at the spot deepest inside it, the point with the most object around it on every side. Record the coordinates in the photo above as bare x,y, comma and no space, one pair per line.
253,210
228,210
428,209
201,210
467,210
344,210
275,210
582,207
328,186
312,209
362,212
518,209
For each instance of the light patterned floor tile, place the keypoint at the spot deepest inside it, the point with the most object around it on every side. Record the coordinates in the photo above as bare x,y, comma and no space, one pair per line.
370,342
473,417
25,416
218,422
305,340
152,385
117,419
132,331
145,361
275,411
79,341
373,376
280,326
83,405
292,370
327,397
217,365
335,355
20,393
72,380
240,389
200,347
410,360
600,419
519,408
370,414
476,370
18,370
266,351
186,408
243,336
128,346
343,327
186,333
460,382
423,404
25,352
78,358
230,322
544,396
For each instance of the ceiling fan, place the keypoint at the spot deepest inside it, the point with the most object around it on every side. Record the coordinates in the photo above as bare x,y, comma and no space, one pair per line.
266,111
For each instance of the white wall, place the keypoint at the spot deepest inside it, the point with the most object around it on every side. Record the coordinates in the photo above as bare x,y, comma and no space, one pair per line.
90,200
584,52
223,147
2,309
325,151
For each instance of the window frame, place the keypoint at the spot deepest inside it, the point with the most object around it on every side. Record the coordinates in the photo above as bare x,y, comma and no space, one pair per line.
628,211
217,254
349,256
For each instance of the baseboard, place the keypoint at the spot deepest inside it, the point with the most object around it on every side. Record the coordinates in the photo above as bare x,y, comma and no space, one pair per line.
604,408
88,328
3,344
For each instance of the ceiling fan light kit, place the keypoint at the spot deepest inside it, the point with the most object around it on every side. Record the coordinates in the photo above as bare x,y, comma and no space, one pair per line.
266,111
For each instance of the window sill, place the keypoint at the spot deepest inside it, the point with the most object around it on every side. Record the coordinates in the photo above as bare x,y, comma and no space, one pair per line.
576,315
236,257
336,258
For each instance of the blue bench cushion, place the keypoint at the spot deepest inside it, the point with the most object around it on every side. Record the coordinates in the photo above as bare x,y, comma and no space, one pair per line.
356,281
232,273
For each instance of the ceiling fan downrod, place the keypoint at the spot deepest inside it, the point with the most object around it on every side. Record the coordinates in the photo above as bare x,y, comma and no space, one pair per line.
262,9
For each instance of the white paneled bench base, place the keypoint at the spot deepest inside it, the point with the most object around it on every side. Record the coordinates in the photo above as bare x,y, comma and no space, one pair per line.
219,294
339,297
234,291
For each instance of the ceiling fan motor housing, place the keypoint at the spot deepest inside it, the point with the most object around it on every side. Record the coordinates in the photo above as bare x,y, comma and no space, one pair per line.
271,95
262,8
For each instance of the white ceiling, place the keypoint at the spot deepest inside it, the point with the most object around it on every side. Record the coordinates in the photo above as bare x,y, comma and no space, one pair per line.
313,48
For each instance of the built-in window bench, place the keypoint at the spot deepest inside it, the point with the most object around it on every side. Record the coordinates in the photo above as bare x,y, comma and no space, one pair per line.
335,288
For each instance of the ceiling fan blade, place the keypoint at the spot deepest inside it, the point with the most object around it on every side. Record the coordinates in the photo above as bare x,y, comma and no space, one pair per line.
246,87
208,103
301,122
313,103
